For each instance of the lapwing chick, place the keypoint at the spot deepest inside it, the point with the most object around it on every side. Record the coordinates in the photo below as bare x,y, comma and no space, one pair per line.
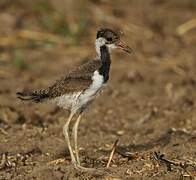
78,88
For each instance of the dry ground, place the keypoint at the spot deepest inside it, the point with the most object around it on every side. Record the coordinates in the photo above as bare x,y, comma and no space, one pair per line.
149,104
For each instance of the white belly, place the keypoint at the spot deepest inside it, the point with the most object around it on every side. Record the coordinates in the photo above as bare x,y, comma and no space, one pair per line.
90,93
79,100
67,101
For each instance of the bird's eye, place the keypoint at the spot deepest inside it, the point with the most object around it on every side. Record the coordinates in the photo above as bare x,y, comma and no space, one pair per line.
109,39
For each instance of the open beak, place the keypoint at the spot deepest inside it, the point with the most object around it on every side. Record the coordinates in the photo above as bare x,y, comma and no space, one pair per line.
124,47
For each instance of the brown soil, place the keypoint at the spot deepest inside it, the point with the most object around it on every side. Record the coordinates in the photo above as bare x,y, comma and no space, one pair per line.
149,104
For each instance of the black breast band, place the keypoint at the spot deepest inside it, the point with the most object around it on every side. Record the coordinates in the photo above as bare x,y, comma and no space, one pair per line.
105,59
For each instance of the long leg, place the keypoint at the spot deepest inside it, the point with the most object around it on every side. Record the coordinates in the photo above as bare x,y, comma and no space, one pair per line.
66,134
75,136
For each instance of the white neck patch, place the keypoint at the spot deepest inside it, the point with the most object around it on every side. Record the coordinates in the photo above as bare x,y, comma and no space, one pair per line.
111,47
98,43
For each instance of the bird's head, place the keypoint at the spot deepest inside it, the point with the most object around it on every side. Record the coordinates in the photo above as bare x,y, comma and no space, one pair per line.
111,39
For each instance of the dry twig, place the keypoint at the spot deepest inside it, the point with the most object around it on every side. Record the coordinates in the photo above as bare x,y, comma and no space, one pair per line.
3,161
57,161
187,26
3,131
112,153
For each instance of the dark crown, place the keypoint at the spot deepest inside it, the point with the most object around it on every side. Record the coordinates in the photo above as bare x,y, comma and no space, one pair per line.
108,34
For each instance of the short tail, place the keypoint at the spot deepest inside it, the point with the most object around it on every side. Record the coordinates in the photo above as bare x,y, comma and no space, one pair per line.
32,96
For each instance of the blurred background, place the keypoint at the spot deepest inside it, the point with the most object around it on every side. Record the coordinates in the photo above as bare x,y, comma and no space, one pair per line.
149,102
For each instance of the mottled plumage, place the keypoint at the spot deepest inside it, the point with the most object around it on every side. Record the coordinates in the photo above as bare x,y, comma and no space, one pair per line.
75,81
78,88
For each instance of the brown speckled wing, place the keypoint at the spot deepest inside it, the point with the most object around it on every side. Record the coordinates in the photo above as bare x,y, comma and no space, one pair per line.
75,81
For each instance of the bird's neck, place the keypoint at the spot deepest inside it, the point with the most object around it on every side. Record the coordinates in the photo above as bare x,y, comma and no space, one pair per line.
106,61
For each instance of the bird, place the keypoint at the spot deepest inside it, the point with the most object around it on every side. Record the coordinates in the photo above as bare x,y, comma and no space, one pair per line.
77,89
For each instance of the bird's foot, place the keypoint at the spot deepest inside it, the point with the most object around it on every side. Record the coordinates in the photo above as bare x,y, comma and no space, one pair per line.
81,168
94,171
